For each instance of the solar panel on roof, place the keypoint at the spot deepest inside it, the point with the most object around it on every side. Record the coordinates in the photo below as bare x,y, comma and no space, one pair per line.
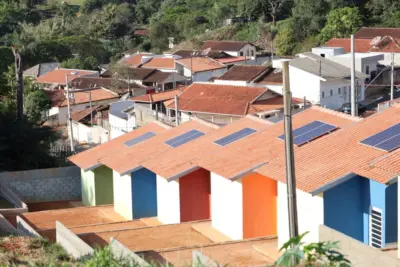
386,140
234,136
139,139
184,138
309,132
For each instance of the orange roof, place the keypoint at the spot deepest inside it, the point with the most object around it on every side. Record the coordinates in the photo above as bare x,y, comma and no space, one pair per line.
199,64
322,162
157,97
385,44
231,59
132,158
96,95
172,163
251,152
57,76
89,159
135,60
160,63
389,163
218,98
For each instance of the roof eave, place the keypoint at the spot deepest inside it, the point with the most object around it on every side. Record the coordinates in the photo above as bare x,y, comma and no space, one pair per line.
333,183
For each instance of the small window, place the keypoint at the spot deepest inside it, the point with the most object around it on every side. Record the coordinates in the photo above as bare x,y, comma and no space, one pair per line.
344,91
367,70
241,54
331,92
322,55
339,90
322,94
252,53
248,53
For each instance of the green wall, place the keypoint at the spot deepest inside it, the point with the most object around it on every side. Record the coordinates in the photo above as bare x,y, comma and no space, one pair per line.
97,186
104,185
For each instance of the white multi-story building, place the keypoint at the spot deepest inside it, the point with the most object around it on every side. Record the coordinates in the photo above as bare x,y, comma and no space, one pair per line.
121,118
322,81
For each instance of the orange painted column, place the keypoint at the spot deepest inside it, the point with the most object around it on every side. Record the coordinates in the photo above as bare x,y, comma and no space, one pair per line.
195,196
259,206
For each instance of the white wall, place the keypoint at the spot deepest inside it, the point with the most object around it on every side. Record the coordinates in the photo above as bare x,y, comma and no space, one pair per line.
123,195
246,50
328,51
305,84
310,214
229,82
121,126
168,203
227,206
86,134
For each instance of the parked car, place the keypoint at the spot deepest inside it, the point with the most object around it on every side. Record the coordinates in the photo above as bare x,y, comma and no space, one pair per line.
346,108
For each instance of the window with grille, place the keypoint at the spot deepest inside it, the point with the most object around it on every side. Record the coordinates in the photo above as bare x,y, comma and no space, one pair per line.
375,227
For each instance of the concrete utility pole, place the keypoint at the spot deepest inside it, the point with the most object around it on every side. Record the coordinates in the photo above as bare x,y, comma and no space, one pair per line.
353,104
20,82
69,116
176,111
91,111
289,153
392,80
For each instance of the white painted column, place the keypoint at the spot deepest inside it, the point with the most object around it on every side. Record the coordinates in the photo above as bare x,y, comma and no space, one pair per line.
168,201
123,195
227,206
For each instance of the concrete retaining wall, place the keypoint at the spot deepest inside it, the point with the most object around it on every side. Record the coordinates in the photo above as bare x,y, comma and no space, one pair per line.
358,253
24,228
71,242
45,184
122,252
198,259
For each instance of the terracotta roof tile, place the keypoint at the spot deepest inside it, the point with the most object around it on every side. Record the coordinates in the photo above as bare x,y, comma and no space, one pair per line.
228,60
157,97
389,163
57,76
218,98
142,32
224,45
264,146
370,33
159,63
90,158
172,163
135,60
133,157
81,114
98,94
385,44
245,73
271,76
200,64
322,162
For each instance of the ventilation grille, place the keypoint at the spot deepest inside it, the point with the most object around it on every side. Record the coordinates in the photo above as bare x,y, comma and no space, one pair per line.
375,228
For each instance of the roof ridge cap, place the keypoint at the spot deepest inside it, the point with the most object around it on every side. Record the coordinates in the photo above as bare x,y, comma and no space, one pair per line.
336,113
257,119
162,124
207,123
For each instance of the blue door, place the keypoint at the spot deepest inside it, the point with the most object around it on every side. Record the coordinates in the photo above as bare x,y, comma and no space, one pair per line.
144,194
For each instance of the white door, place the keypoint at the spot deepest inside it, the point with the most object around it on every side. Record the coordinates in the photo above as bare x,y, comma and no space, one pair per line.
375,227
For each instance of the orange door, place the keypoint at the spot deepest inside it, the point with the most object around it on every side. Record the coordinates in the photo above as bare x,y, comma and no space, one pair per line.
259,206
195,194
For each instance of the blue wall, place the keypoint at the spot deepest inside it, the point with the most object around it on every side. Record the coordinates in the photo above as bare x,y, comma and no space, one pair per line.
144,193
347,208
344,209
391,213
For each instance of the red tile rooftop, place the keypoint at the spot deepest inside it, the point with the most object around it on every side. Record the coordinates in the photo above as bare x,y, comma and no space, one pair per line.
133,157
264,146
150,238
322,162
180,160
90,158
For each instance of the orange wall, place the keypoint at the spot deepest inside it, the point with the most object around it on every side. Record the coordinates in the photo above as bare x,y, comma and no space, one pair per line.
195,195
259,206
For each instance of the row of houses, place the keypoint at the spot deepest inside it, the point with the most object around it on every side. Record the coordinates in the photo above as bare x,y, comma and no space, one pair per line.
346,175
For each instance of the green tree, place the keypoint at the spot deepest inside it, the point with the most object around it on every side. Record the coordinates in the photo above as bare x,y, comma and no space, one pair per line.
88,63
308,17
36,104
144,9
7,58
341,23
285,42
45,51
23,145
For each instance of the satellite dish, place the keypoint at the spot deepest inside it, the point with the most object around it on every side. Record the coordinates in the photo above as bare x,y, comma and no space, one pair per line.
375,40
